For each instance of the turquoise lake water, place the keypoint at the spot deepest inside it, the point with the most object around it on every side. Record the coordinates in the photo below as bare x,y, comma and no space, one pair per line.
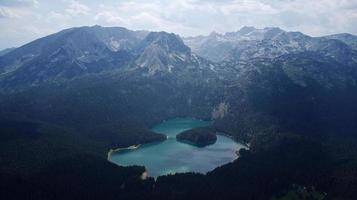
171,156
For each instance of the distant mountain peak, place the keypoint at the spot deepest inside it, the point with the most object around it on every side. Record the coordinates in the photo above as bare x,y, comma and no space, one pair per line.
349,39
162,51
170,42
214,34
269,43
273,28
246,29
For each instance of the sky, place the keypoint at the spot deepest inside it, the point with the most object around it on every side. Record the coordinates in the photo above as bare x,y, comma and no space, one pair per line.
22,21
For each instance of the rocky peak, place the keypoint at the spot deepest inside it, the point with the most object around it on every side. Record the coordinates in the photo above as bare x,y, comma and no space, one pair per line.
251,33
164,52
169,42
246,29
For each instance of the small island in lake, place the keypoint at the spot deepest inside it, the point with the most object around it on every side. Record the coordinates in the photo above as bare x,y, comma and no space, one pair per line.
199,137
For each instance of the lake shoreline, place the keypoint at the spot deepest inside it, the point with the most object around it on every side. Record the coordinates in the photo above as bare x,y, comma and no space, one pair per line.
136,146
144,175
234,139
132,147
171,150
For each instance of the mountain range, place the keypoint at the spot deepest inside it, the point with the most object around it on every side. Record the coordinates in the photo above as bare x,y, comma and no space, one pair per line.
81,91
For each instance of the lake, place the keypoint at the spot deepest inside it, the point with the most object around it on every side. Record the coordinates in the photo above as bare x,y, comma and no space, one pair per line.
171,156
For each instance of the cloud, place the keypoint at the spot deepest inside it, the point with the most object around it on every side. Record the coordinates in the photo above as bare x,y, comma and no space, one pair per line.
185,17
76,8
18,3
5,12
109,18
12,9
246,6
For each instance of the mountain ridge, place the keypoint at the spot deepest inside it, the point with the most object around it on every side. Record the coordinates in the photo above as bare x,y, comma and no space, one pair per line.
78,51
250,42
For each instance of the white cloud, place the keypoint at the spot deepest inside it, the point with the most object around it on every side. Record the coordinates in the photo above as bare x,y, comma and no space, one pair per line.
13,9
18,3
246,6
109,18
76,8
6,12
185,17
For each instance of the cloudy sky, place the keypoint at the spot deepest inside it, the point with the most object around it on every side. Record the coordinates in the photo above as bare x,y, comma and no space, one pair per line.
22,21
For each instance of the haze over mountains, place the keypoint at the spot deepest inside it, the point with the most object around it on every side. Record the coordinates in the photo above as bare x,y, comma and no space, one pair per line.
249,43
79,92
85,50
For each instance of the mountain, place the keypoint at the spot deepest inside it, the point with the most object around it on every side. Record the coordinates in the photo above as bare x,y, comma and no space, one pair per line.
75,52
7,50
67,98
163,52
269,43
349,39
68,54
74,78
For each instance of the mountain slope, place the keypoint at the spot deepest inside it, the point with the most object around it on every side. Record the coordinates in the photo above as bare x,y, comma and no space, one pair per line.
67,54
76,52
349,39
163,52
7,50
